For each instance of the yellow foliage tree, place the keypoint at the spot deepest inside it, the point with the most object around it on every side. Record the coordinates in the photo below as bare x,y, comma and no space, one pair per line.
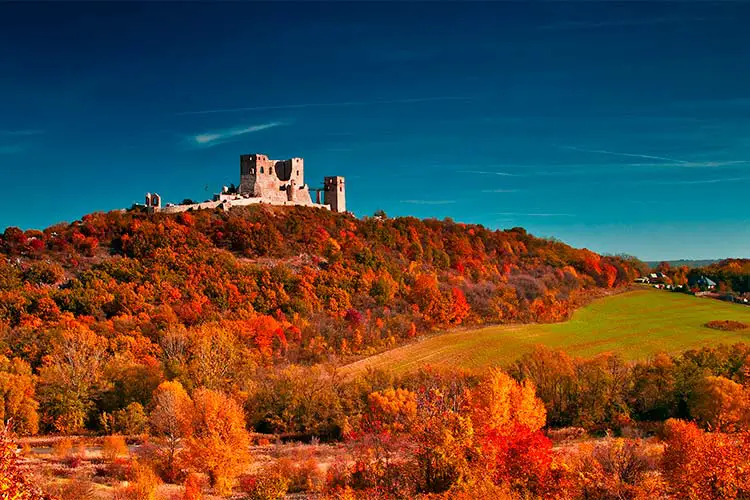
393,410
500,402
171,421
17,403
219,441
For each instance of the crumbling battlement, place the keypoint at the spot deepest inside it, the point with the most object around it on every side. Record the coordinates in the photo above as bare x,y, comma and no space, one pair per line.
275,182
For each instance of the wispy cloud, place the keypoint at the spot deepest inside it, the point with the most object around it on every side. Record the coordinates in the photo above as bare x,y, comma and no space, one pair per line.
486,172
429,202
692,164
325,105
629,155
706,181
534,214
214,138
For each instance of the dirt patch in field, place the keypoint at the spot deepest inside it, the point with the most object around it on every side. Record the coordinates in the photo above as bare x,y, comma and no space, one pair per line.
727,325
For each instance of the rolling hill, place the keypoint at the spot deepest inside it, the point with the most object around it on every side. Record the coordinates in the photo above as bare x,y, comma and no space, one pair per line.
637,324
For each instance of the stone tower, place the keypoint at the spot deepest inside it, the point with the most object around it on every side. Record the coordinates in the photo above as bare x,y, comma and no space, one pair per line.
273,180
335,193
153,202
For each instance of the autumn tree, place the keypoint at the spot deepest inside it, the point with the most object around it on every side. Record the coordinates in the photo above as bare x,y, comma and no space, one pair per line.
706,465
70,378
297,400
218,444
18,407
507,417
721,404
171,421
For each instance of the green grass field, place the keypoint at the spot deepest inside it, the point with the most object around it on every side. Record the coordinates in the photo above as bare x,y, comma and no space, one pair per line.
636,324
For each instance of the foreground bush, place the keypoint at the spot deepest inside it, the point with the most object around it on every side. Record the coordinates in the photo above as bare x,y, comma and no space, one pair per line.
14,484
143,483
705,465
266,485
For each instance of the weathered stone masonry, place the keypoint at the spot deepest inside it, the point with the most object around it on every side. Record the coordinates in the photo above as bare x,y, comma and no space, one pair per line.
274,182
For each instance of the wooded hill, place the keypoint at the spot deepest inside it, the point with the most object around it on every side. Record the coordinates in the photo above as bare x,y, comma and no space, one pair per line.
102,310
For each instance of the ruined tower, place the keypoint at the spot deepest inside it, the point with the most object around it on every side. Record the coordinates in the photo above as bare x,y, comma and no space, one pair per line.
153,202
334,193
273,180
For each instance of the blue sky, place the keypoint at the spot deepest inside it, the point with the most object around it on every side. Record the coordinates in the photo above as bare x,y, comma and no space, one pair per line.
621,127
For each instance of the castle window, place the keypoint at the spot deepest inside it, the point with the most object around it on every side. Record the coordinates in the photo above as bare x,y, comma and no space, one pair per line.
297,172
261,170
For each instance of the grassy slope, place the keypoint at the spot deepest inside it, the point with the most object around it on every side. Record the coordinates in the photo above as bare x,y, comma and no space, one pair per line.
636,324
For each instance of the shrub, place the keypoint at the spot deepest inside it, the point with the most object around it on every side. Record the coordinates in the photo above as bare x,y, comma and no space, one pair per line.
193,488
142,484
79,488
75,458
62,448
614,468
131,420
267,485
727,325
302,475
219,442
114,446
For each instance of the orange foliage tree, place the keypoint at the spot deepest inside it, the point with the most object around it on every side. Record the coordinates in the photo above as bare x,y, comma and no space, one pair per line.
698,464
171,421
219,443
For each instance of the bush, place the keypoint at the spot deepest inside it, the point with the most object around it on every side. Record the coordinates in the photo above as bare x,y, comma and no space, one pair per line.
267,485
113,446
142,484
302,475
727,325
78,488
131,420
62,448
193,488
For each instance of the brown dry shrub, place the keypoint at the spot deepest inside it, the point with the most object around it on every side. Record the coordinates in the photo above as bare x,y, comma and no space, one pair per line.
267,484
303,475
727,325
615,468
566,434
78,488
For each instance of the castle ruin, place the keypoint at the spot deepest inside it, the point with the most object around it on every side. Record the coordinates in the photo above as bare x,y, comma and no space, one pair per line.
273,182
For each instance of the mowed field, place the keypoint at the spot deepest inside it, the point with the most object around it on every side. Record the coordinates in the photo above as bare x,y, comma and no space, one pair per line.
636,324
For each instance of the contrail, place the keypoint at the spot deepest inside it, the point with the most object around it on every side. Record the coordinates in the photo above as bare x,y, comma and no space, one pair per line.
631,155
